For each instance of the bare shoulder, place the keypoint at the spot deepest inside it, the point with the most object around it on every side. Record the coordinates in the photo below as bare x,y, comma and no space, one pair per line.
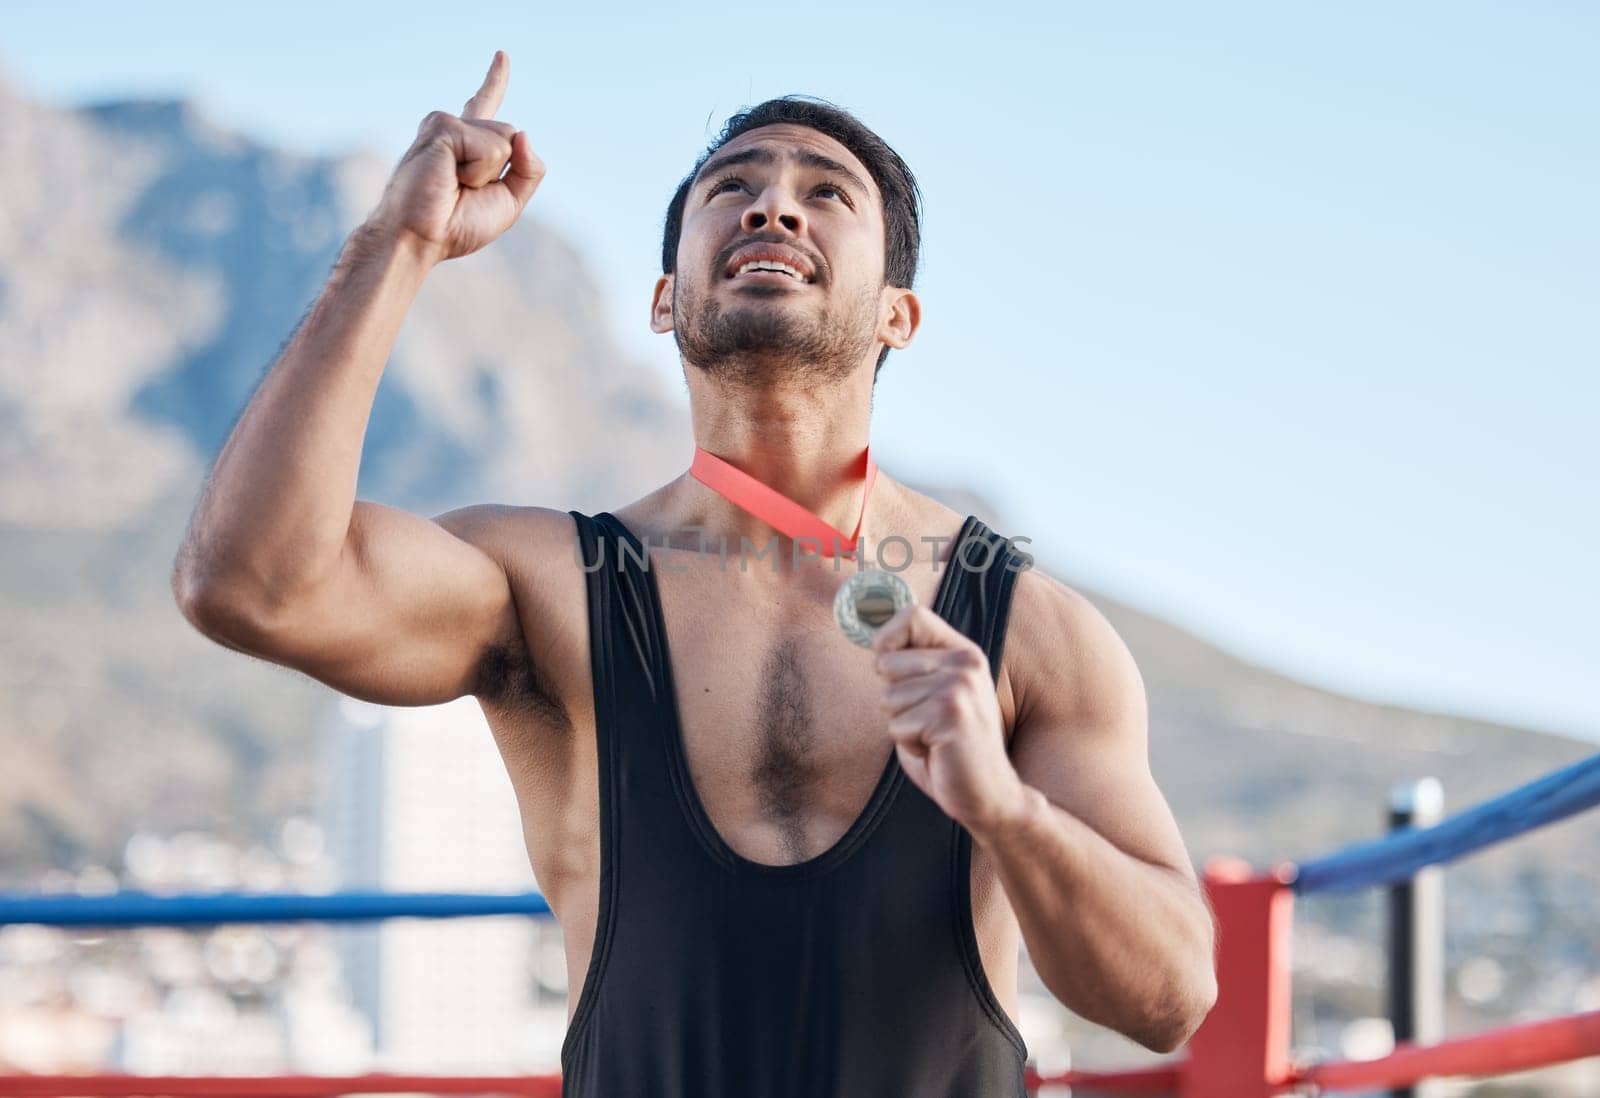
1065,659
514,537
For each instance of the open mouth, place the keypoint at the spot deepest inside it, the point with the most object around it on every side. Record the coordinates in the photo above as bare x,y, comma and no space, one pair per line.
769,263
768,266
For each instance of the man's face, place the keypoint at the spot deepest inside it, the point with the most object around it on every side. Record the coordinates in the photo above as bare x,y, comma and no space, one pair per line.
780,261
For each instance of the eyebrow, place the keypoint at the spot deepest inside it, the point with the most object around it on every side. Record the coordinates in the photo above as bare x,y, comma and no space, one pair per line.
761,155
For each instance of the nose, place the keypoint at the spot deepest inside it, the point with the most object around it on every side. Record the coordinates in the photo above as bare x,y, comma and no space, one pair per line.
775,205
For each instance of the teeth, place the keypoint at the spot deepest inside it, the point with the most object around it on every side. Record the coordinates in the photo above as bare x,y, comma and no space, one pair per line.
770,265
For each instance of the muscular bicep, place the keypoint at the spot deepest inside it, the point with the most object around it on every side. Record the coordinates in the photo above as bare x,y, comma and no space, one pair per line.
407,615
1082,726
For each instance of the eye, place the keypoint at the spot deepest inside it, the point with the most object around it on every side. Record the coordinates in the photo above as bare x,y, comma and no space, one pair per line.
837,192
722,184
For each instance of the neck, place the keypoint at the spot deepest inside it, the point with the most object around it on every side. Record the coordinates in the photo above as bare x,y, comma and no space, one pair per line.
804,444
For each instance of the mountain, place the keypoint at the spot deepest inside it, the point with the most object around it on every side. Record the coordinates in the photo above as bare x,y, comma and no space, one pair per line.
152,265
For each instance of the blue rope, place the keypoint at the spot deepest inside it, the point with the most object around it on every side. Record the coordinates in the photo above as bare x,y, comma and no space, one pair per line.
144,909
1397,857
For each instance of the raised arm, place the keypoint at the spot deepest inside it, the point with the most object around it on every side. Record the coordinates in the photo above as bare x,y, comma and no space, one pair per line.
280,559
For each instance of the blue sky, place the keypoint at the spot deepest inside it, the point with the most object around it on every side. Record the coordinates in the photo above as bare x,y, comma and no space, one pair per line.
1266,318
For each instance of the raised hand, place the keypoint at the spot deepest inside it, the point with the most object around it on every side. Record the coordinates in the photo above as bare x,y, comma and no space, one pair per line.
448,195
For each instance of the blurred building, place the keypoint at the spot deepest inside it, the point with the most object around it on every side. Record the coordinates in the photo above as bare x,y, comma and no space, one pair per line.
418,800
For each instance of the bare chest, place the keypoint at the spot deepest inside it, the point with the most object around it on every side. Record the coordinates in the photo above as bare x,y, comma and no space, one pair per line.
780,717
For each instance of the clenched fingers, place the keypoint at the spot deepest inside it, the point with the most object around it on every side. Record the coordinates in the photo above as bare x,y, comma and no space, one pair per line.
484,152
481,149
526,170
900,695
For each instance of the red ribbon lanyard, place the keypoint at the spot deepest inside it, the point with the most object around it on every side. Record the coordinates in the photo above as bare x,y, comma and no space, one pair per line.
775,508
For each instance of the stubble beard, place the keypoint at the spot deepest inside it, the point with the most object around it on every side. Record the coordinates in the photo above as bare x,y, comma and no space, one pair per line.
756,345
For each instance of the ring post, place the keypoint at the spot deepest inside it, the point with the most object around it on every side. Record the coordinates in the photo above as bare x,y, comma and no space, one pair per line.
1416,932
1242,1048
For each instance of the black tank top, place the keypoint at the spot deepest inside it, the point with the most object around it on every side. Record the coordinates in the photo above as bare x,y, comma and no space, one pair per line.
854,974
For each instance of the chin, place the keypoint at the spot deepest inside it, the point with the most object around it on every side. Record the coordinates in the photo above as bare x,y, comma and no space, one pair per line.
765,290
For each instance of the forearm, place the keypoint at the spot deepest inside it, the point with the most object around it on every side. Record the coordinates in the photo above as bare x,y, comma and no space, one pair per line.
1120,941
276,509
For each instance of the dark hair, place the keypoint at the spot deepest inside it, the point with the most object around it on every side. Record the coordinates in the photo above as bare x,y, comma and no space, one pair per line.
902,201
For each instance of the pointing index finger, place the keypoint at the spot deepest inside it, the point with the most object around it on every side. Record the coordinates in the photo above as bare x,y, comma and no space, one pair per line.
487,101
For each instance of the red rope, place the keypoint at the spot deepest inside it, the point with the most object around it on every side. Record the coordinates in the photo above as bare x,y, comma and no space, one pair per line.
1495,1052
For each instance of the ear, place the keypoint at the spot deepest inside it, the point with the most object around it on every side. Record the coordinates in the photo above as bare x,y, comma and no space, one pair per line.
661,306
899,313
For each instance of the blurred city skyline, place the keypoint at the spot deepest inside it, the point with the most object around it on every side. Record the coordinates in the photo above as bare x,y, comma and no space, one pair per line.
1267,321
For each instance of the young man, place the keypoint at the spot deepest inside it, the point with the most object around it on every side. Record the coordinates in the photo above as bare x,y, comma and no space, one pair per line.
783,864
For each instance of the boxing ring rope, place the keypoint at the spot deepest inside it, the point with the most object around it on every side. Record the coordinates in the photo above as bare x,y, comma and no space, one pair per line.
1557,795
134,908
1242,1050
275,1086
